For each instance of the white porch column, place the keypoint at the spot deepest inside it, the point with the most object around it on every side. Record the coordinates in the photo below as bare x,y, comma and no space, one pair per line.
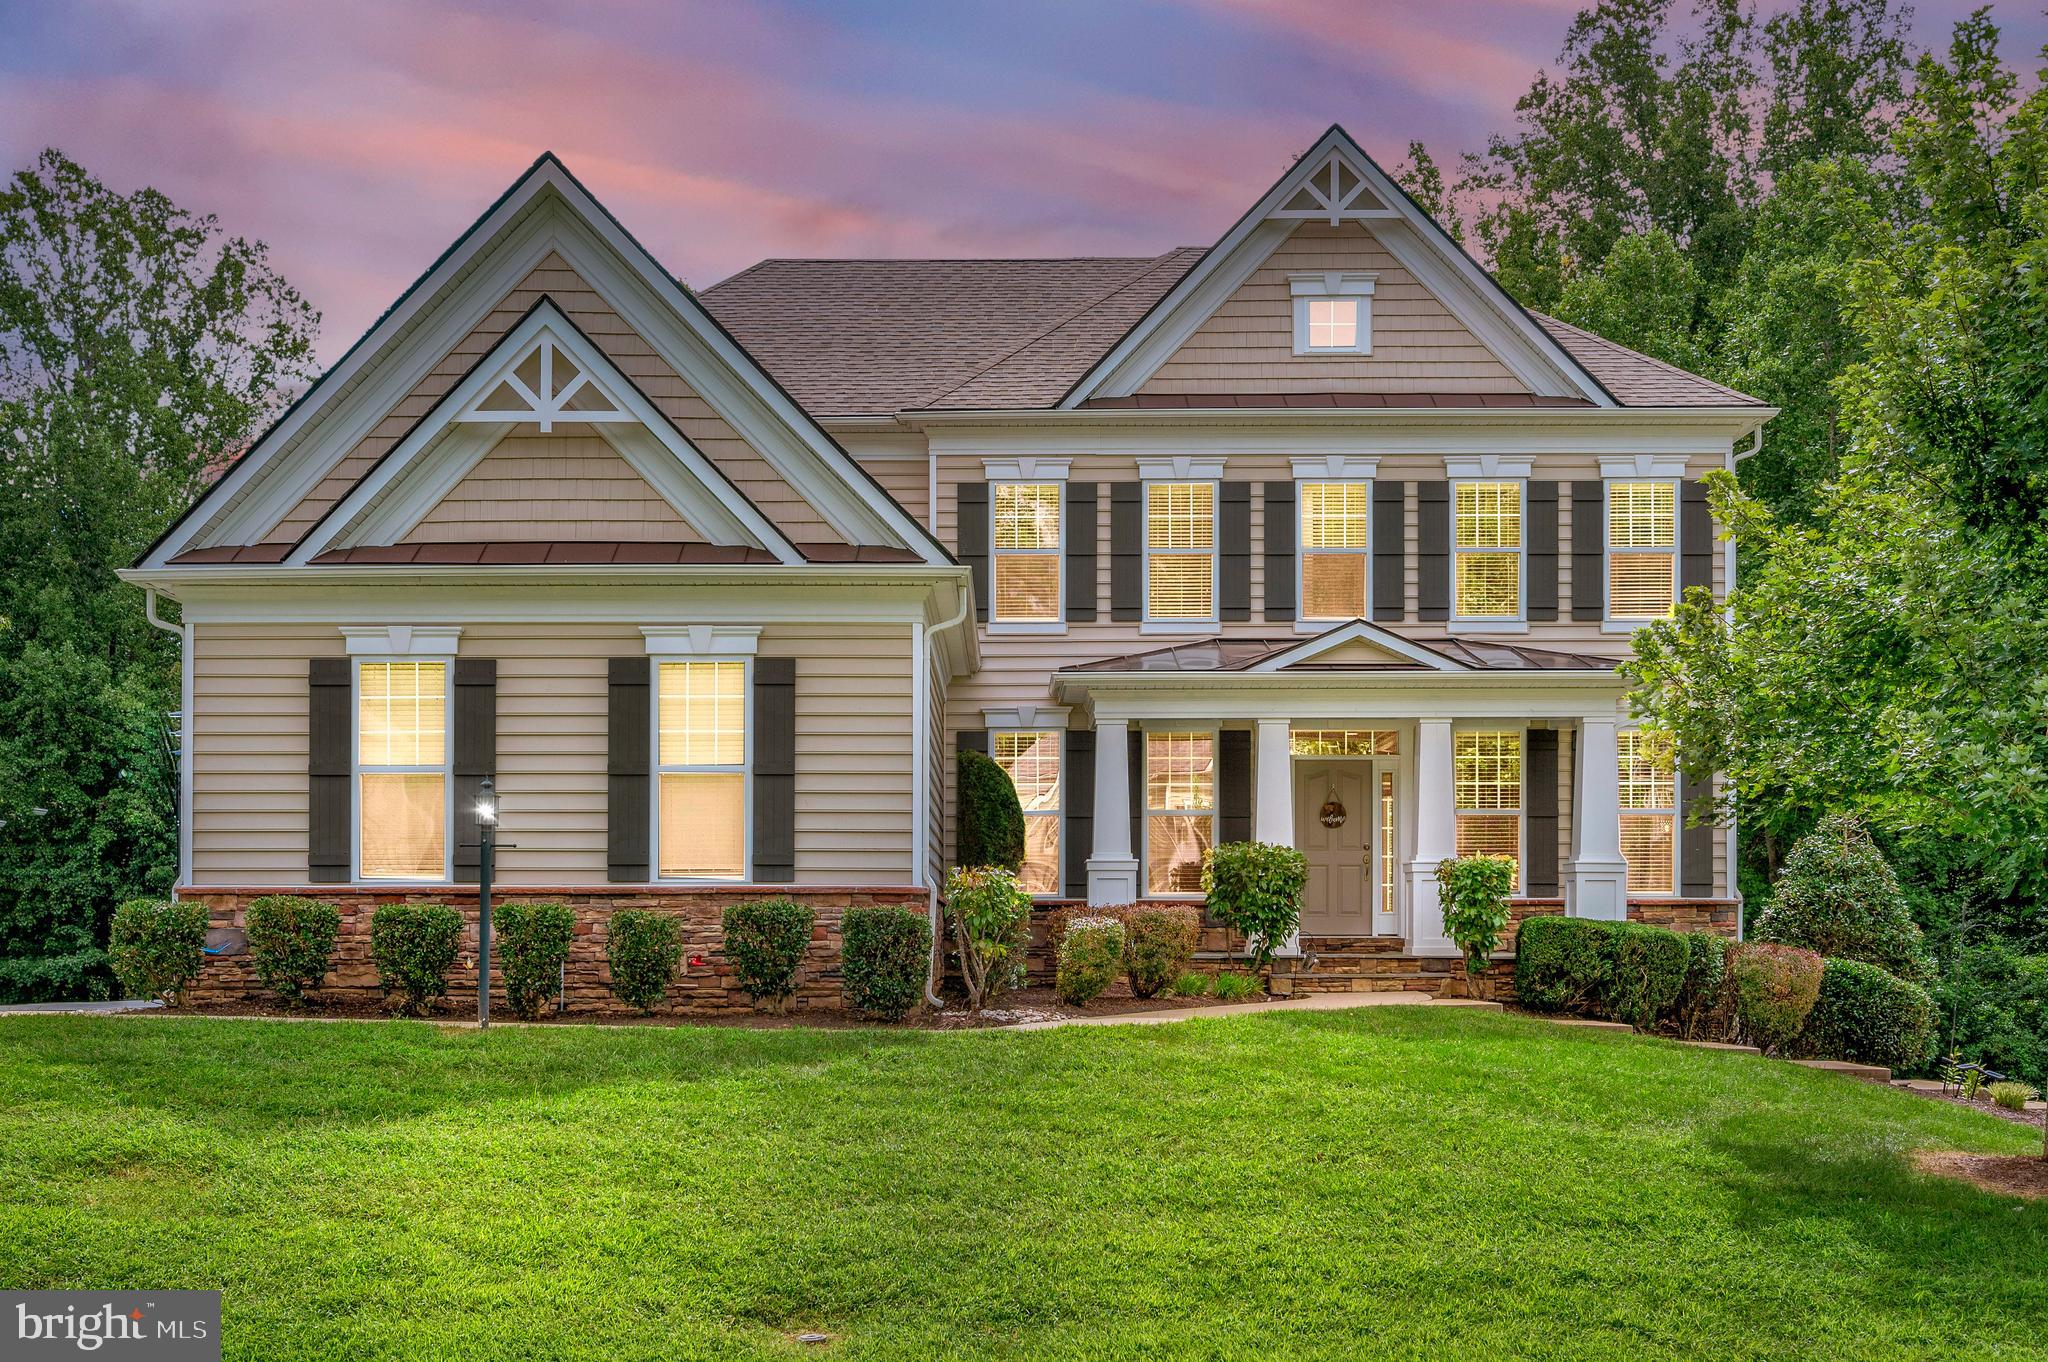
1273,800
1436,837
1596,878
1112,868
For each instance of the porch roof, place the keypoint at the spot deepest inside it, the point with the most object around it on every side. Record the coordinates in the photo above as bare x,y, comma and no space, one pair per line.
1224,654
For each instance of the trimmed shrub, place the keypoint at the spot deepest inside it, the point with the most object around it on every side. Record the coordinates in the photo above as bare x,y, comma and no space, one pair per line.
991,921
1562,964
1474,891
641,950
765,943
414,946
1645,973
1870,1016
291,943
1090,955
1159,940
990,827
1192,984
2011,1096
157,947
1837,897
1255,888
1697,1009
1772,988
884,954
532,941
1234,984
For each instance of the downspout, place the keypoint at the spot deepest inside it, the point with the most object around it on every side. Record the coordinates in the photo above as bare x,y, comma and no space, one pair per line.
184,633
1730,842
924,670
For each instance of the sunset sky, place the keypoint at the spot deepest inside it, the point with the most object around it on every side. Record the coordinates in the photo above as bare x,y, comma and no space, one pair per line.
359,137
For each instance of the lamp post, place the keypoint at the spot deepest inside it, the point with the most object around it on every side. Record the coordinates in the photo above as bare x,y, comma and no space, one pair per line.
487,829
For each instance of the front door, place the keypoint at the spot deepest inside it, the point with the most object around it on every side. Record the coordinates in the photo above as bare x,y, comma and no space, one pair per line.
1339,897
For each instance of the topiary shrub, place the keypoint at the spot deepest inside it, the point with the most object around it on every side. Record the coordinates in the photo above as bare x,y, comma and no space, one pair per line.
1255,888
1646,970
884,955
1159,940
1090,955
641,951
1837,897
1562,964
1870,1016
1474,891
1697,1009
291,943
157,947
991,922
414,946
990,826
765,943
1772,989
533,941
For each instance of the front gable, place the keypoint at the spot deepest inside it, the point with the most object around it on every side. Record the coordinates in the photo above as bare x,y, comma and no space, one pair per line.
1359,644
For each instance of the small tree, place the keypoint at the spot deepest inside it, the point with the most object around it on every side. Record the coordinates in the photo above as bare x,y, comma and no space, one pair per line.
991,822
1837,897
1474,890
1255,888
991,920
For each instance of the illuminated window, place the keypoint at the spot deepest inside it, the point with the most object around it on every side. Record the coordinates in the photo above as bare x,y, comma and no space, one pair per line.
1386,841
1031,758
1489,550
1180,810
1486,777
701,768
1180,550
402,765
1343,742
1649,812
1332,313
1336,520
1026,552
1642,549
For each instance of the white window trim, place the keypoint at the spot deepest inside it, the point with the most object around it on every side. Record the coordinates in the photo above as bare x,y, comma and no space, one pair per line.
1608,623
656,770
355,749
1304,623
1143,851
1058,552
1322,286
1521,886
1202,474
1059,814
1518,623
1677,827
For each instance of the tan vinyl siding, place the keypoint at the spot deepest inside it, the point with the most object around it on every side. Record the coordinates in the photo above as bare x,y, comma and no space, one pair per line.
570,486
1247,344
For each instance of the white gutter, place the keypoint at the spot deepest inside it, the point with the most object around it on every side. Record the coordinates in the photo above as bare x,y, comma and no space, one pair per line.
920,786
184,633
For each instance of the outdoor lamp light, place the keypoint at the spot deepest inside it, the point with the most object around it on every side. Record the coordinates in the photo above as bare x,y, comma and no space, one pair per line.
487,812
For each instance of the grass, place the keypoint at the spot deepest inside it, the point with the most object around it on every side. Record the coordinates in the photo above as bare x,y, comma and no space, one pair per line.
1388,1182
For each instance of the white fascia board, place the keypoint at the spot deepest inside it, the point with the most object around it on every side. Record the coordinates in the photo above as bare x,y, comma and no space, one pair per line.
1359,631
1346,434
1292,695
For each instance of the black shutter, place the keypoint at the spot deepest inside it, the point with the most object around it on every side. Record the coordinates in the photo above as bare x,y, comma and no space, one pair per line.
1589,551
1279,516
1695,844
476,756
1136,779
1389,550
1077,804
629,757
1080,551
1695,537
330,743
1234,543
1539,796
1542,539
1433,549
1126,551
774,740
1234,785
972,548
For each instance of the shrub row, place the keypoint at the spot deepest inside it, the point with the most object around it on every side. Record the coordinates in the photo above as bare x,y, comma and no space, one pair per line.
1158,940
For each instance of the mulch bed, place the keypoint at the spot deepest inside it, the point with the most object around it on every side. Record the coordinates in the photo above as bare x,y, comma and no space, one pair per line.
2021,1175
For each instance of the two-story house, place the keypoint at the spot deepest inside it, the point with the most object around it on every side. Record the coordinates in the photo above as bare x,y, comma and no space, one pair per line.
1312,536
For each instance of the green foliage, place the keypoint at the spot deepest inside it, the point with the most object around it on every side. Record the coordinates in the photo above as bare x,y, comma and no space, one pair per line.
291,942
1996,1001
1562,964
1701,994
991,921
157,947
1255,888
990,826
1772,988
1090,955
1192,984
1474,891
2011,1096
1235,985
765,943
1646,974
1838,897
531,943
414,946
1646,295
1868,1015
642,950
884,956
1160,939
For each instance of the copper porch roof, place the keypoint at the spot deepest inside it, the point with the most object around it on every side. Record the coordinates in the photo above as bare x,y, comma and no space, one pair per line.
1242,654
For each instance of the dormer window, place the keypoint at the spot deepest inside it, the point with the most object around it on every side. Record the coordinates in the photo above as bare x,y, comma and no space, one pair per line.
1332,313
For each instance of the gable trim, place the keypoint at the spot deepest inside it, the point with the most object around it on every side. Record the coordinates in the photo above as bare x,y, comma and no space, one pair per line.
1358,631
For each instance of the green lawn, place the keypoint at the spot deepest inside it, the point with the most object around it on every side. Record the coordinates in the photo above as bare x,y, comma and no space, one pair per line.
1389,1182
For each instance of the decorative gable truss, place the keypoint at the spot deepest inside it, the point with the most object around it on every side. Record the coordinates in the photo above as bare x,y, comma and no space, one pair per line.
1333,192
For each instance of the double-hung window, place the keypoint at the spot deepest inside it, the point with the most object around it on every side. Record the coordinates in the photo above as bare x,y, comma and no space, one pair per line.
1180,809
1488,540
701,770
1336,520
1487,782
1026,552
1031,758
1649,812
1642,550
403,783
1180,551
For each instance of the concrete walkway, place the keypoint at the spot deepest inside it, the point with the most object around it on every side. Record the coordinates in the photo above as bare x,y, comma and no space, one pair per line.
1314,1002
59,1009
